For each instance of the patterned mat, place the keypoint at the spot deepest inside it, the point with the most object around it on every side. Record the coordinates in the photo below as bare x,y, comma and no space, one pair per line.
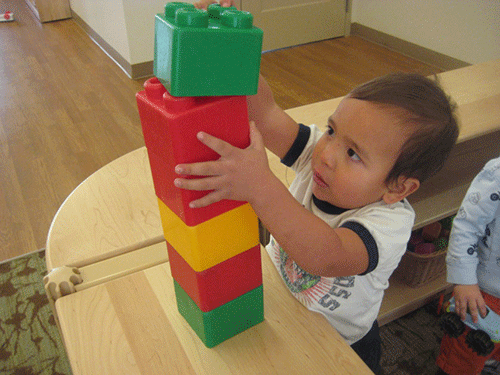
29,339
410,345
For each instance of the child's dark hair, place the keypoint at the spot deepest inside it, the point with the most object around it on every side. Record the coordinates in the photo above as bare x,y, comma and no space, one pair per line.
423,105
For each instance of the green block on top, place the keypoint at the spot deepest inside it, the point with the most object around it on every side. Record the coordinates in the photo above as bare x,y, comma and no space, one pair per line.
224,322
207,53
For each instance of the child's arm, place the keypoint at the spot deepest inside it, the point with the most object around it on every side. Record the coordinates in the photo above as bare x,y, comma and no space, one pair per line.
468,299
244,174
278,129
476,212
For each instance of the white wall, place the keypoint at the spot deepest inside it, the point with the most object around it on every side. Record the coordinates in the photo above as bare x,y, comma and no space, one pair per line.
107,19
126,25
468,30
140,23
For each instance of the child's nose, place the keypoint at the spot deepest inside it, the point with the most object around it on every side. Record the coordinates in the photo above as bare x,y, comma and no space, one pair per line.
329,154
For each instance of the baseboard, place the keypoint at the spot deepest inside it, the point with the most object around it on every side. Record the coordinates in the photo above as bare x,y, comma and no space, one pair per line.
415,51
133,71
141,70
21,255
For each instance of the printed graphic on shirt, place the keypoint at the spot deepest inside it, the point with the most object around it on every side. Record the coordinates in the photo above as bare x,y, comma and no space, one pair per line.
495,196
309,289
475,199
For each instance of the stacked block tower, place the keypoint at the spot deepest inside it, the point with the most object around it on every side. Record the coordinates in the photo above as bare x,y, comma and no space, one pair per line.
205,64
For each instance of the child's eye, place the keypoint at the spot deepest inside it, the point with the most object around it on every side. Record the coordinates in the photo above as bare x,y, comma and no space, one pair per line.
352,154
330,130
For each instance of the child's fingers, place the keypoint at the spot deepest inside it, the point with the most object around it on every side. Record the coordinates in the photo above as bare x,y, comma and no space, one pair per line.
461,309
207,168
483,310
218,145
255,136
203,4
227,3
199,184
207,200
473,312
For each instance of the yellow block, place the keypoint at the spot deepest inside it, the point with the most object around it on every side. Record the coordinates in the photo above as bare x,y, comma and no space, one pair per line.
213,241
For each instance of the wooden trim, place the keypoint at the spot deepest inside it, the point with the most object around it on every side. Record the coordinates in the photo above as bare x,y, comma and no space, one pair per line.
33,8
134,71
142,70
348,17
415,51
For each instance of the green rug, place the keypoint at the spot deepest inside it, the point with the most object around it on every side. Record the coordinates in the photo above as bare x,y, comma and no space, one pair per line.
29,339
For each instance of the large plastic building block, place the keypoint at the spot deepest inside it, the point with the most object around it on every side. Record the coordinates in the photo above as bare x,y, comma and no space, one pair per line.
201,55
221,283
224,322
213,241
170,126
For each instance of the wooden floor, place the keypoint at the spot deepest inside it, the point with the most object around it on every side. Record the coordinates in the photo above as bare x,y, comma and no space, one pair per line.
66,109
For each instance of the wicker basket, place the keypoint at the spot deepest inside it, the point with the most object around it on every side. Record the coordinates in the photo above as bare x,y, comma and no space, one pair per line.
416,270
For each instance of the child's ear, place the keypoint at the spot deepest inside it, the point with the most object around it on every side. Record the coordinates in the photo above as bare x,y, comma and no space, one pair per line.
400,189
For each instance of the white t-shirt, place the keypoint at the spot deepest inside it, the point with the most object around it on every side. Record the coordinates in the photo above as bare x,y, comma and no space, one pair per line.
351,304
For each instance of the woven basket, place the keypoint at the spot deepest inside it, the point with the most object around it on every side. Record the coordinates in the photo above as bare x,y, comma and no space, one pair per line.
416,270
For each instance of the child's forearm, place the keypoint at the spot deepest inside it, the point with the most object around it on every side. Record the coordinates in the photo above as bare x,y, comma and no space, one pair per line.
278,129
315,246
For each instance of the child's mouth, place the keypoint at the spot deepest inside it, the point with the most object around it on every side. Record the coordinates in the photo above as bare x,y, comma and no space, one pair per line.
318,180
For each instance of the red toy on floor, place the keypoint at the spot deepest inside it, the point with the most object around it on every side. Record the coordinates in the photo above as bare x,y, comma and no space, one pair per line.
7,16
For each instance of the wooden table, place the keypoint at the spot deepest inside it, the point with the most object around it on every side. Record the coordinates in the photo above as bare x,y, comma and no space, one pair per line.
123,317
131,325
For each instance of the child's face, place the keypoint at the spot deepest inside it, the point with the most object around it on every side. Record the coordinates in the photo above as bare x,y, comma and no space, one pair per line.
353,158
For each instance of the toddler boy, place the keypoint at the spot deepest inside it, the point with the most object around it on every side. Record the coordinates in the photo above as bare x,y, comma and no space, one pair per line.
473,265
342,228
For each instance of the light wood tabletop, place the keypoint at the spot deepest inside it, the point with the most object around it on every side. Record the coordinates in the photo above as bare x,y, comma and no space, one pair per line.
113,211
131,326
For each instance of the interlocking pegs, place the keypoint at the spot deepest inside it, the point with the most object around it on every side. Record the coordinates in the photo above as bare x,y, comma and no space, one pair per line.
207,53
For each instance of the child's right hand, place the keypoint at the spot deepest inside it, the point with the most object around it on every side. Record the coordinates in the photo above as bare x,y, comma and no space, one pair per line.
203,4
239,174
468,299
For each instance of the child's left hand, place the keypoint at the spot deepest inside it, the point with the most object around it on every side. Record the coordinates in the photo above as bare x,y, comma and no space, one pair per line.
238,174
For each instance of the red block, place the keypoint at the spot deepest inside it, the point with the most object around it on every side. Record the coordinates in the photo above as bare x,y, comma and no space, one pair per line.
221,283
170,125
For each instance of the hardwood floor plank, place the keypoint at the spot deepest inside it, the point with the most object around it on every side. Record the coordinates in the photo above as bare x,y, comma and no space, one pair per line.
66,109
328,69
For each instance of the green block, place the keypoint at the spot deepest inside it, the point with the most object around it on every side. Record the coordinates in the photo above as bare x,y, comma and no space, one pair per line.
207,53
224,322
